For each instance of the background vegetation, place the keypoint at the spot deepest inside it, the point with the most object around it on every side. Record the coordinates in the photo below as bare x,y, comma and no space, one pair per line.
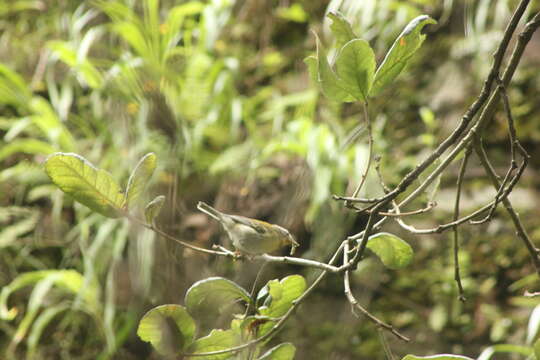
219,91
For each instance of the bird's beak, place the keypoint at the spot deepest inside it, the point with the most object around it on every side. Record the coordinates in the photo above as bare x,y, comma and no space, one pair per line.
294,244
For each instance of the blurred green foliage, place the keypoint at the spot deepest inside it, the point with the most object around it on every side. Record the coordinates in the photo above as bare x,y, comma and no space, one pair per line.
217,89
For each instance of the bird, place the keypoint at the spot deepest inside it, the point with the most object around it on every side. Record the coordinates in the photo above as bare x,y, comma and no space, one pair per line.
251,236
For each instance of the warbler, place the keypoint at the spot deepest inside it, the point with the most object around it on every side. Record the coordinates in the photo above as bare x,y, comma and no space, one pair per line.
249,235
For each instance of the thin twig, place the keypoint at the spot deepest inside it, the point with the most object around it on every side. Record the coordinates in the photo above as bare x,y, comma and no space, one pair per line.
429,206
357,200
520,229
523,39
469,115
461,175
370,152
443,227
356,305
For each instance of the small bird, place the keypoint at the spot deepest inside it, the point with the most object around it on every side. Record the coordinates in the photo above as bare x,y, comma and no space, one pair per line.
249,235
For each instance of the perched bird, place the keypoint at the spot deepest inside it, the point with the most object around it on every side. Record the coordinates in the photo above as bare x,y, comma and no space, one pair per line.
249,235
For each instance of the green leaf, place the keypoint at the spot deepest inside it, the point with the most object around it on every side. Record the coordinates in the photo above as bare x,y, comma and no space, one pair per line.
536,349
140,177
69,280
331,86
213,294
311,62
281,297
355,66
26,146
169,328
90,186
406,44
215,341
437,357
283,351
341,29
153,208
505,348
394,252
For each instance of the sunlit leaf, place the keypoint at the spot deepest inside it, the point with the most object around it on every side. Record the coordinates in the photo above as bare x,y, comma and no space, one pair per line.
355,66
284,351
169,328
215,341
394,252
92,187
140,177
212,294
341,29
153,208
406,44
282,294
331,86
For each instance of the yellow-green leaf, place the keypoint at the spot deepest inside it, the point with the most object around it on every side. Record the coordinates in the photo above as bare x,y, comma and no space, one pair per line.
217,340
406,44
169,328
341,29
355,67
87,184
140,177
394,252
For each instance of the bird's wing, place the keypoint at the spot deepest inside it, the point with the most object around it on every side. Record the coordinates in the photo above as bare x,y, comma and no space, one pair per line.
248,222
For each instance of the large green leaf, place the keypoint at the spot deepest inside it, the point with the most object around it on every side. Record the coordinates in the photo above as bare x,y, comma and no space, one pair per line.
394,252
341,29
153,208
281,297
331,86
437,357
406,44
215,341
213,294
284,351
140,177
355,66
169,328
90,186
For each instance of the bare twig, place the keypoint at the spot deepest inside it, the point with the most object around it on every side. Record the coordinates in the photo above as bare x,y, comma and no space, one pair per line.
356,305
429,206
457,275
370,152
509,71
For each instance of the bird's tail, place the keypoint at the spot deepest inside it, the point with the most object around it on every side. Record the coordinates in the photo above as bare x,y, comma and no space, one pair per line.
207,209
